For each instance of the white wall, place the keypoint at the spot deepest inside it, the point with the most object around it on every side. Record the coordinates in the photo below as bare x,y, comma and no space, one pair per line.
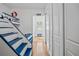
47,27
4,8
48,14
26,18
72,29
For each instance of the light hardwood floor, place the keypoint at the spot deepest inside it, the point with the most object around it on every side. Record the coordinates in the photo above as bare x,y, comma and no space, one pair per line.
39,47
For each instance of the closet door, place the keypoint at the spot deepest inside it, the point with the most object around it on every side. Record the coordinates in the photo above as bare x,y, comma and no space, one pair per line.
57,29
71,29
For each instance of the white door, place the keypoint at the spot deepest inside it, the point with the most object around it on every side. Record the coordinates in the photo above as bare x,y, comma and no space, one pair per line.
57,29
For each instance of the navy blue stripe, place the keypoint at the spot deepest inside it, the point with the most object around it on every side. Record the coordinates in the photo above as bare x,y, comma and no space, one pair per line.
20,48
27,53
7,34
15,40
30,39
9,45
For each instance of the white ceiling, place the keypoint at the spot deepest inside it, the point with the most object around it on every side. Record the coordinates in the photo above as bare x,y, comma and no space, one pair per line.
26,5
